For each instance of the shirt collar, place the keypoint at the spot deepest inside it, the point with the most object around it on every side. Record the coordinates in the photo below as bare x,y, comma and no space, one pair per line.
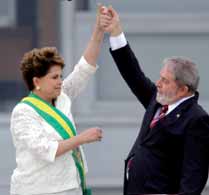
174,105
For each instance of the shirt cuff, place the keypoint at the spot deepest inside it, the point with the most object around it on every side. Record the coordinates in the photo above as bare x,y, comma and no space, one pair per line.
85,65
53,145
118,41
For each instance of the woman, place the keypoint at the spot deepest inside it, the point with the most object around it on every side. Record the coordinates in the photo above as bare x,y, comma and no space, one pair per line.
49,156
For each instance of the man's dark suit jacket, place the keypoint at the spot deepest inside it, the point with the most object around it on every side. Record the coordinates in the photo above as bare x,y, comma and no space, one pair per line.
172,157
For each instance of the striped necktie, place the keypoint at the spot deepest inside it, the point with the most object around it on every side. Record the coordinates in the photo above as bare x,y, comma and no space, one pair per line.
162,113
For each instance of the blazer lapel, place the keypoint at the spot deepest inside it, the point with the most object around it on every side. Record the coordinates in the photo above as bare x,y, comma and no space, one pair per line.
150,112
166,121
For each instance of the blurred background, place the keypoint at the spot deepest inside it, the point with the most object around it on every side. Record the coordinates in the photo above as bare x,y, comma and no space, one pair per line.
155,29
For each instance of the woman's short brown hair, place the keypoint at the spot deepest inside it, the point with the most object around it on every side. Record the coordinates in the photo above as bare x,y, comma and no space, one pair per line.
37,62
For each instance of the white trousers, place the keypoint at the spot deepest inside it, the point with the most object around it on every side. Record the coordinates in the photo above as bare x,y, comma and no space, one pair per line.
77,191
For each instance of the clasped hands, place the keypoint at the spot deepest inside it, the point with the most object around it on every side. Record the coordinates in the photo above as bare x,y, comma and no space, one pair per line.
108,20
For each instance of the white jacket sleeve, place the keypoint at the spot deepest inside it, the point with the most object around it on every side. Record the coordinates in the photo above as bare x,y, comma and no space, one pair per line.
29,135
77,80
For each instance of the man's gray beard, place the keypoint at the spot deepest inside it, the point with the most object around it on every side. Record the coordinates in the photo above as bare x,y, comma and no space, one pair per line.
163,100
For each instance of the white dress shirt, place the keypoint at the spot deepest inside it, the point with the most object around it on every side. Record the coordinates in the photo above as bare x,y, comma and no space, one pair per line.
38,170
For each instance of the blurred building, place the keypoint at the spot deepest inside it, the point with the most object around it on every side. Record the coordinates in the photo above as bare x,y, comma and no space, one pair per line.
155,30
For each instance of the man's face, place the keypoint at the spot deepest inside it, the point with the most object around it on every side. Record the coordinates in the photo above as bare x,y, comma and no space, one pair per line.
168,91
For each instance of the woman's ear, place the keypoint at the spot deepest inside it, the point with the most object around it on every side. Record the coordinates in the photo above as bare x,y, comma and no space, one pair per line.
36,83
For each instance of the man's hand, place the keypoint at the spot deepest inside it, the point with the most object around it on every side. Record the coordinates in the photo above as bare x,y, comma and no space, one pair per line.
109,21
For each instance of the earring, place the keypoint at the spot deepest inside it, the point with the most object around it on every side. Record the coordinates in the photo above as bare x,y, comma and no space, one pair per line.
38,88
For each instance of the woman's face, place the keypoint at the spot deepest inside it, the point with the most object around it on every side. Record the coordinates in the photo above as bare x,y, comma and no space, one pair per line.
50,84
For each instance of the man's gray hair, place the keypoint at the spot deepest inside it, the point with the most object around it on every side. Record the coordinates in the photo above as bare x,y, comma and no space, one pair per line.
185,71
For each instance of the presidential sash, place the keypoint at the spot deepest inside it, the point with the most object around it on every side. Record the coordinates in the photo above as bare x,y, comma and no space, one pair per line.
62,124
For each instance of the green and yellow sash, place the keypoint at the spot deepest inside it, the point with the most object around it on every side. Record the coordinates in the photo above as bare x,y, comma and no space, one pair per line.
61,123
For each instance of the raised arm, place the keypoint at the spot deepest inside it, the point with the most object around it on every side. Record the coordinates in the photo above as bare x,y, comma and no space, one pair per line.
93,47
77,80
125,59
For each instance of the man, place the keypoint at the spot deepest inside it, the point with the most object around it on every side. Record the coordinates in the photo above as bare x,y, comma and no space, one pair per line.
171,152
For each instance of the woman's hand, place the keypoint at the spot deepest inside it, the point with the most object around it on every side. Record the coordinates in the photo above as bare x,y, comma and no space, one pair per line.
87,136
90,135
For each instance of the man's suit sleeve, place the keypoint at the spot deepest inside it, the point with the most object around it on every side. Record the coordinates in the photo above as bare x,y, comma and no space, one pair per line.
130,70
196,158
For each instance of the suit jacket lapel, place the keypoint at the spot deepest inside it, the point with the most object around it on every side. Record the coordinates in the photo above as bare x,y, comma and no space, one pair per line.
169,119
151,110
